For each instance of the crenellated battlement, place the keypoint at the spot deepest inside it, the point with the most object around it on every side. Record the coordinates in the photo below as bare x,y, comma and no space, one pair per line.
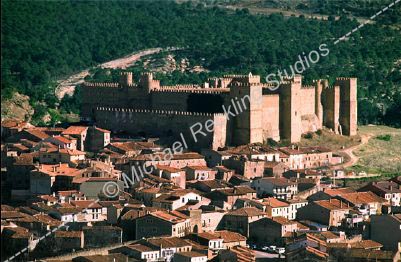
158,112
191,90
308,87
345,78
100,84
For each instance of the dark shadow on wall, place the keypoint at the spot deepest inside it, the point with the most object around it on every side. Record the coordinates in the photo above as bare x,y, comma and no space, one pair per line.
205,103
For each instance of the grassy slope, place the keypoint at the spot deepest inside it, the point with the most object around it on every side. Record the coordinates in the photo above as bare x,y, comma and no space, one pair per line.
380,156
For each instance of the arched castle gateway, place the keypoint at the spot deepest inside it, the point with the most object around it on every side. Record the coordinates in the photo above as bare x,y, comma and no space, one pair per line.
255,113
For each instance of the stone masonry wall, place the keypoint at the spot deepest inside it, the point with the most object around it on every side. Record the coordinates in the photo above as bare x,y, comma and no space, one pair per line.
165,123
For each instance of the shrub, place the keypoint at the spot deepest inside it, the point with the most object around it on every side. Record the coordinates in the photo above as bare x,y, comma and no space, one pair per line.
386,137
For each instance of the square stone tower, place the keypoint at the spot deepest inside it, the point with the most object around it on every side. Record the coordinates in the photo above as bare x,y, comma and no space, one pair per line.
290,110
246,103
348,105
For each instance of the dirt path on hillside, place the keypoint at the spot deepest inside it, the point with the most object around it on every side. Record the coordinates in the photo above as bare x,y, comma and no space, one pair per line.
269,11
350,152
67,86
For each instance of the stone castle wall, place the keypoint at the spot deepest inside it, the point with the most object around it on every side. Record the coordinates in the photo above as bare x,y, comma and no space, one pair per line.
286,113
165,123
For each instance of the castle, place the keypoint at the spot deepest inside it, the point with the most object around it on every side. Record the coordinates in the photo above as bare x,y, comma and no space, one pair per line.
286,113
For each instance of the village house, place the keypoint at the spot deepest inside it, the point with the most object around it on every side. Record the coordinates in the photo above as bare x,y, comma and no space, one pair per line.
176,175
57,155
327,212
388,190
191,256
133,148
199,173
62,142
155,249
79,133
97,139
90,211
306,157
176,199
225,198
10,127
249,168
239,220
207,186
223,173
328,193
280,188
272,231
161,223
275,169
208,239
211,220
176,160
43,177
366,203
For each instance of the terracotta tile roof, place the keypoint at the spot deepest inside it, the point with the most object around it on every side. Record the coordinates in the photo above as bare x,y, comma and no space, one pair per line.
61,169
338,191
304,150
247,212
102,130
48,220
133,146
237,191
204,168
62,139
208,235
37,133
332,204
67,192
9,123
86,204
141,248
12,214
229,236
168,169
387,186
279,181
370,255
317,252
68,234
48,198
274,202
282,220
169,217
16,232
168,242
362,198
75,130
363,244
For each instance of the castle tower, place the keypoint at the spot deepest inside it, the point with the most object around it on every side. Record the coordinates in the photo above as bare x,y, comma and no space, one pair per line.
148,83
348,105
246,103
331,105
319,86
290,110
126,79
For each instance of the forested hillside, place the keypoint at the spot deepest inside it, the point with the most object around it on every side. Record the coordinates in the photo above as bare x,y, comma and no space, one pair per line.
43,41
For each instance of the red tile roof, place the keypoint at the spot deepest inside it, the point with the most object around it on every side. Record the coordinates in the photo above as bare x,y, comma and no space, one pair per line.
75,130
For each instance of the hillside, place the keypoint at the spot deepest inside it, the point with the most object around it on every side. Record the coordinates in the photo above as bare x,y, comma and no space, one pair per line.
64,38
